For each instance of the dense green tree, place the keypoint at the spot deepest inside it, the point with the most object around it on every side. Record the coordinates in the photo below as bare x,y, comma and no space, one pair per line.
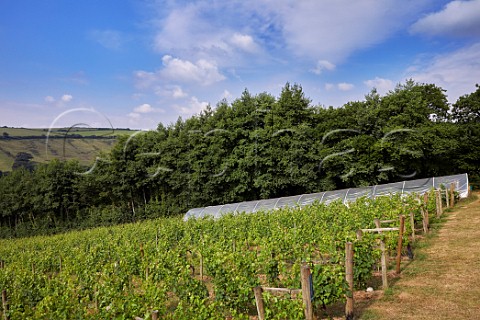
258,146
467,108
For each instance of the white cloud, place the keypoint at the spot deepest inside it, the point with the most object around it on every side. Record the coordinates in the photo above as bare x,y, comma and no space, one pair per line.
202,72
382,85
457,71
67,98
244,42
144,108
325,30
171,91
332,30
177,92
458,18
194,106
343,86
201,30
147,108
60,102
323,65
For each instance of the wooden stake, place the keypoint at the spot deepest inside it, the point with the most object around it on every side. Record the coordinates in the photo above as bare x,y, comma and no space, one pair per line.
292,292
438,201
377,223
306,293
379,230
142,253
5,304
384,265
400,241
359,234
155,315
425,199
201,267
259,302
452,194
349,279
447,200
2,264
426,221
412,222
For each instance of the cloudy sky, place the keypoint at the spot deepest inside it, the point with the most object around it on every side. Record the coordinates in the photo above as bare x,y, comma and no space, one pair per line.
137,63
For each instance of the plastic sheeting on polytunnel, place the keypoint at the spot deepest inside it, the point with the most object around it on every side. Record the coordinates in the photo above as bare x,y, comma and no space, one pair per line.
346,195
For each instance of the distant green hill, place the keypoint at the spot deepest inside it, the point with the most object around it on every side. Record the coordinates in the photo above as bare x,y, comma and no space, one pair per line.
83,144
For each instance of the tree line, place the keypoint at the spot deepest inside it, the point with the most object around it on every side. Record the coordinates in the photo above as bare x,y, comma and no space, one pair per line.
256,147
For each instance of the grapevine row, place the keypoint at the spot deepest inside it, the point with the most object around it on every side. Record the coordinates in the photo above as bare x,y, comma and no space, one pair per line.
198,269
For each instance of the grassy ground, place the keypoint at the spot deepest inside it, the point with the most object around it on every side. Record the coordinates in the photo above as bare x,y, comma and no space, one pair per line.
443,281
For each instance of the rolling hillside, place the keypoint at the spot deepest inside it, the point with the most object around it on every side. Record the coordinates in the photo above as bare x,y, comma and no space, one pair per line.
83,144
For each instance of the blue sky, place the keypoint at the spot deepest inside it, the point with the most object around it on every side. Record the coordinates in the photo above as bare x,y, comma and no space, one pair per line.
137,63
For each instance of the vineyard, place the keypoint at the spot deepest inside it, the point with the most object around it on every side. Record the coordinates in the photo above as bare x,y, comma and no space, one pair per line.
201,268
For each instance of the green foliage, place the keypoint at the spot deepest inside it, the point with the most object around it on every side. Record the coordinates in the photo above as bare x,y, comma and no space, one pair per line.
132,269
256,147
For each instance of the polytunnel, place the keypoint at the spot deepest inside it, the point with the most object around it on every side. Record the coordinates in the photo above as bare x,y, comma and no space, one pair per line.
346,195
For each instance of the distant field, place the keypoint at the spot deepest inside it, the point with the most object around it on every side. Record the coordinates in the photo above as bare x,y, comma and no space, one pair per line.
85,150
23,132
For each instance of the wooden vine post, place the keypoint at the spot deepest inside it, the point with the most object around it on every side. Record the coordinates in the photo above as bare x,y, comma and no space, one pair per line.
384,256
201,266
382,244
447,199
5,304
400,241
349,279
258,291
384,265
452,194
412,224
438,202
424,211
425,198
306,291
424,219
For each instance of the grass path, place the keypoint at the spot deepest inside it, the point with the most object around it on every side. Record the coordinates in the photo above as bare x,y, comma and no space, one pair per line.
443,281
